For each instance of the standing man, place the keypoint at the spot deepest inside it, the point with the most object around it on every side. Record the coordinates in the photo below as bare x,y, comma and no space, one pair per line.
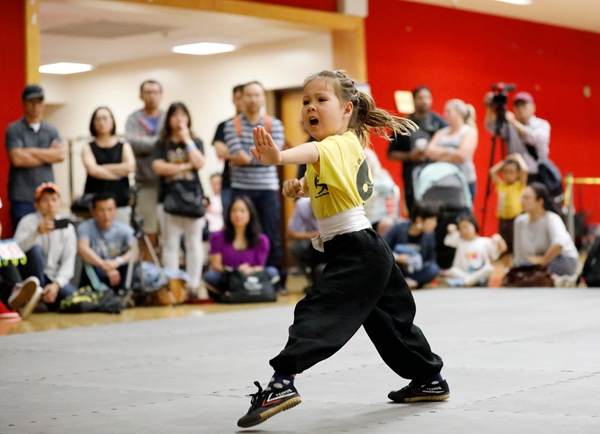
32,146
249,177
410,150
524,133
222,149
142,131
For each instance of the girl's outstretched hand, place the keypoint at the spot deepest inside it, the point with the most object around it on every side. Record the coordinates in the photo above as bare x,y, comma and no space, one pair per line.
265,150
295,188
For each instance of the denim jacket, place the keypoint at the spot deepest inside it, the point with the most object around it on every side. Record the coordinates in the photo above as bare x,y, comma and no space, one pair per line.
398,234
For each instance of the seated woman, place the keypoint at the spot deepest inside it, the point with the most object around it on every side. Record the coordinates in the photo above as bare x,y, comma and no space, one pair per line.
457,142
413,243
541,236
241,245
108,162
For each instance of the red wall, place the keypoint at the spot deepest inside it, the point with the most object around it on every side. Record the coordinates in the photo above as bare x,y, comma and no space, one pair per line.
321,5
12,71
461,54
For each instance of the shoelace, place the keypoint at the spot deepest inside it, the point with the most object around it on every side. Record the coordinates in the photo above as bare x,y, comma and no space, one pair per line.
256,396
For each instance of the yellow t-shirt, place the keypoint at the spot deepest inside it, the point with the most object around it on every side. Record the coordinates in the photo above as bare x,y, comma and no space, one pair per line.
509,199
344,181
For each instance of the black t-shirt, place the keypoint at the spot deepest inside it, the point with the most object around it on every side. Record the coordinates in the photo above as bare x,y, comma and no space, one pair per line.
427,128
220,137
175,153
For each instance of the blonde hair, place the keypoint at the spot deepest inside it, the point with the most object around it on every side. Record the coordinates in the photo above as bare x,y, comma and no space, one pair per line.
366,117
466,110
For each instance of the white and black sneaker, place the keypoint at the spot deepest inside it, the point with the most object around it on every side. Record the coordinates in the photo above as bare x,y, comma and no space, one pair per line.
23,292
417,391
267,403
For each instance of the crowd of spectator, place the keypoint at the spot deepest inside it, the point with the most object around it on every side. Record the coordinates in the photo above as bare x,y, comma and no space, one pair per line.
241,217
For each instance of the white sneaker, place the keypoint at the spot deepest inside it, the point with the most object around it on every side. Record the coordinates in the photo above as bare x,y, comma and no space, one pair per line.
22,292
26,310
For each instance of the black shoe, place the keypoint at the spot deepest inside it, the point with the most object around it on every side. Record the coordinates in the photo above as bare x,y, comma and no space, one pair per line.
267,403
414,392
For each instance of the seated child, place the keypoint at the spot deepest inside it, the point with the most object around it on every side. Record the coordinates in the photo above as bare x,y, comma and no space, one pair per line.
510,188
474,254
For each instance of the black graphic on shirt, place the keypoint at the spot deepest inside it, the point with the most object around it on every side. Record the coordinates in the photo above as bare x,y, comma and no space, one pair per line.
363,182
322,189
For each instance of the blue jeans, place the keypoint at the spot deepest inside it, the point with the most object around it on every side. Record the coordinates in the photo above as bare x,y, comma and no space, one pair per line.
226,197
267,205
473,190
423,273
95,276
216,279
18,210
36,261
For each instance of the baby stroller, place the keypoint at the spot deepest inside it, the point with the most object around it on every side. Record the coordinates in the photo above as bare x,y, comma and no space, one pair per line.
446,185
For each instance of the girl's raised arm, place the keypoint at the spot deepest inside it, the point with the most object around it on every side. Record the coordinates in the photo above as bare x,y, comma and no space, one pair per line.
267,152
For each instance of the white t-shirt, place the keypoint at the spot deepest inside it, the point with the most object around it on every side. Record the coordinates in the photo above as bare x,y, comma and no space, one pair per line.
214,213
534,239
474,254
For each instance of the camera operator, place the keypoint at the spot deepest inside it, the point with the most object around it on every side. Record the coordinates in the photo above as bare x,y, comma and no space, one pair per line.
410,150
524,133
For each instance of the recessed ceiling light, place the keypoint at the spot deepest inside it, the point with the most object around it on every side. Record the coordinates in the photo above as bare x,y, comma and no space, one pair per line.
517,2
203,48
64,68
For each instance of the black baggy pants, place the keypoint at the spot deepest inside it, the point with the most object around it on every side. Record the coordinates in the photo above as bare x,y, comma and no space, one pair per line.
361,285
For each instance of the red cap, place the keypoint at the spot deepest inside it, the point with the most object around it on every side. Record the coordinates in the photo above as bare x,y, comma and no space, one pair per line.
46,186
523,96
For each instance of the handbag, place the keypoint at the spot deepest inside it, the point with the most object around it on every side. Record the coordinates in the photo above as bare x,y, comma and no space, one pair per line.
248,288
528,276
549,174
184,199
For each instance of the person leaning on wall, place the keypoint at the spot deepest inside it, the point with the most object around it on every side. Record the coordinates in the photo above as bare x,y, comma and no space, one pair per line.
33,146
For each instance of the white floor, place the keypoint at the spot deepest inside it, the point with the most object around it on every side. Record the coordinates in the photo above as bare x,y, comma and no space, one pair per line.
517,361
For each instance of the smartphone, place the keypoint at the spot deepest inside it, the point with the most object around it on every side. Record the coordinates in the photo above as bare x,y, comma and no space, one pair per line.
61,223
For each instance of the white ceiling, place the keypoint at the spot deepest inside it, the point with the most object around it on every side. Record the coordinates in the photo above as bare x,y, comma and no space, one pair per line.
576,14
103,32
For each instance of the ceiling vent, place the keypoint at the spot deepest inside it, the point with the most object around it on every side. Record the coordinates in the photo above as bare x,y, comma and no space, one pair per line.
105,29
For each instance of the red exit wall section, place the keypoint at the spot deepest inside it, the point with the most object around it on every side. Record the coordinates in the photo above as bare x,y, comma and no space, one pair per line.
12,71
461,54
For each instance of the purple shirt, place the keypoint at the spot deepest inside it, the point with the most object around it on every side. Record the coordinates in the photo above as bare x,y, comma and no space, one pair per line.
253,256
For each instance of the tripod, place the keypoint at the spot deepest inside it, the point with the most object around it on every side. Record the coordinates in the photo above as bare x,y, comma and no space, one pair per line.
500,124
137,223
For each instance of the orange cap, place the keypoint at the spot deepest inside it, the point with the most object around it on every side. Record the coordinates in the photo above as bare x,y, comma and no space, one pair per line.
46,186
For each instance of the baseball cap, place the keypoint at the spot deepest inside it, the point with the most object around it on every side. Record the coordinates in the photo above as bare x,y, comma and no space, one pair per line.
523,96
46,186
32,91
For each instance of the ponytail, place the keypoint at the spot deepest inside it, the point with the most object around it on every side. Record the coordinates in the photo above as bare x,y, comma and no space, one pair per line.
366,117
466,110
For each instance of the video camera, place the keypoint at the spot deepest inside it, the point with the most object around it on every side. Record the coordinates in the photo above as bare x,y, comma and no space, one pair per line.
500,99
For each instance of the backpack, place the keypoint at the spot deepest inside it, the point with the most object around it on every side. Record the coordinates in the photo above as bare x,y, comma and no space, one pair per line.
591,268
549,174
237,123
85,299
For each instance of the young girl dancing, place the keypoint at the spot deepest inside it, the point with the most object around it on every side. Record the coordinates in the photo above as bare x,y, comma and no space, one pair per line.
361,284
